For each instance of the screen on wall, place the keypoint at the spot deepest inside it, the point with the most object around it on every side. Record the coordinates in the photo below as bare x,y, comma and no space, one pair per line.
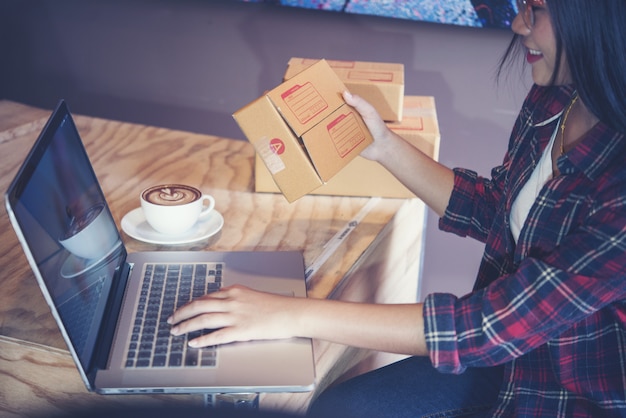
475,13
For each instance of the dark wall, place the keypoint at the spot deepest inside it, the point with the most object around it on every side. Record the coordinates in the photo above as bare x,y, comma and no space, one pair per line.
189,64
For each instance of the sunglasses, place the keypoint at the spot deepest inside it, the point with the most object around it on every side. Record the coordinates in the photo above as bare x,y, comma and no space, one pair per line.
526,9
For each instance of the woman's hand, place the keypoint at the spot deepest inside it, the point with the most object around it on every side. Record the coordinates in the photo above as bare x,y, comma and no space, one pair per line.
377,127
241,314
429,180
236,313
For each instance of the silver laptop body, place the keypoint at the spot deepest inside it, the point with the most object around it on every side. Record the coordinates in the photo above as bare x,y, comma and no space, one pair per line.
111,306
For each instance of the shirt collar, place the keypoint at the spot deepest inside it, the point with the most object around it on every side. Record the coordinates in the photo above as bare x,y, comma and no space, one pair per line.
599,146
550,103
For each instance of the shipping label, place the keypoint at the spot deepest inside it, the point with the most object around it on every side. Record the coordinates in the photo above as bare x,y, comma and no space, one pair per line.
304,101
346,133
373,76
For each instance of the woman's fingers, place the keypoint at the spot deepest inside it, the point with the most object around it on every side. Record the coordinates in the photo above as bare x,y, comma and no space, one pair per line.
235,314
377,127
213,302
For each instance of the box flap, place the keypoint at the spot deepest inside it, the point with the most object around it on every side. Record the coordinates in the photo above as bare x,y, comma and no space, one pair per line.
308,98
337,141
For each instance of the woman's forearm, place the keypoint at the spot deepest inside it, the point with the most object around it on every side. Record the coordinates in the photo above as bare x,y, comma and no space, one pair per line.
429,180
394,328
242,314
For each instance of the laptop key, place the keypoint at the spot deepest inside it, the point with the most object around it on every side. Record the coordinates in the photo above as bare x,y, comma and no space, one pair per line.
176,359
166,287
159,361
191,357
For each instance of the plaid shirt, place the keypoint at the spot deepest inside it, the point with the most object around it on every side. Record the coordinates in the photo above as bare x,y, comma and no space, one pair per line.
551,308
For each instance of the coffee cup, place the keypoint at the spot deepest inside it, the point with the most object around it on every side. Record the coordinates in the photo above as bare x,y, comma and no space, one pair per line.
91,234
173,209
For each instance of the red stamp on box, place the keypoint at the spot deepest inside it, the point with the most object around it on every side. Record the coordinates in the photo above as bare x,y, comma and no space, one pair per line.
277,146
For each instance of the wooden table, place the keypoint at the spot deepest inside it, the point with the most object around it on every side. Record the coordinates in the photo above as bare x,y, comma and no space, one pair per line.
377,261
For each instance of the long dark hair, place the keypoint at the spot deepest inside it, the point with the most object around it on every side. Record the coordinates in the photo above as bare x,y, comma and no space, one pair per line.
592,33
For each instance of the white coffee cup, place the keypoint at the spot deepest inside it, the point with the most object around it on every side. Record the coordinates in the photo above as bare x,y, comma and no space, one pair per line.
92,234
173,209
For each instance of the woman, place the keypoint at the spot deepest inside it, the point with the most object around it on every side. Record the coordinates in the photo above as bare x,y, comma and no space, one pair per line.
543,332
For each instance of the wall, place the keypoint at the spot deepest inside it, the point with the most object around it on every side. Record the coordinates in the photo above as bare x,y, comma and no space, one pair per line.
188,64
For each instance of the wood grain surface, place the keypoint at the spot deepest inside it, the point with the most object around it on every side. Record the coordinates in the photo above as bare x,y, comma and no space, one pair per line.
47,378
379,260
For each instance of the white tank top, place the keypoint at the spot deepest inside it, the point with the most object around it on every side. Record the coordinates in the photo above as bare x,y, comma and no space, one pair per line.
527,196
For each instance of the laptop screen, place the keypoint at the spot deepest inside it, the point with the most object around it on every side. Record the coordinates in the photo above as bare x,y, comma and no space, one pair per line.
68,230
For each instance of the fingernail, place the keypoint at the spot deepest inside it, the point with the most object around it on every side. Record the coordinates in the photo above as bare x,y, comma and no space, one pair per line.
174,331
193,343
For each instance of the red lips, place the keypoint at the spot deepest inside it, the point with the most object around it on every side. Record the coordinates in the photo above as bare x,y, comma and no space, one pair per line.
532,58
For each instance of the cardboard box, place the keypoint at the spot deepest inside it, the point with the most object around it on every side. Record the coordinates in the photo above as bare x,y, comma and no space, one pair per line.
380,83
303,131
420,125
367,178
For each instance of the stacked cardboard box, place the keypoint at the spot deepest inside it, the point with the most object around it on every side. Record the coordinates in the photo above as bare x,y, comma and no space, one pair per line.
380,83
303,131
317,166
362,177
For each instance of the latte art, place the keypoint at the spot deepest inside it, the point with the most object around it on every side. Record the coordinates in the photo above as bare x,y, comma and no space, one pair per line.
175,208
171,195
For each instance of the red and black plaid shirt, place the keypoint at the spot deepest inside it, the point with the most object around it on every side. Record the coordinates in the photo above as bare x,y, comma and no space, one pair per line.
551,308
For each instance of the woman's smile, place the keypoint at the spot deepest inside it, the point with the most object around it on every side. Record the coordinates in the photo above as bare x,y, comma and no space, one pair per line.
532,56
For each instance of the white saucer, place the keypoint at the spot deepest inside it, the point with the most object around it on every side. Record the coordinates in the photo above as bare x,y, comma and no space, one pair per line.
135,225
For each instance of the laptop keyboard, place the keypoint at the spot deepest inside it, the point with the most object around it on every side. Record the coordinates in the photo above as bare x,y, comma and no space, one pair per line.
165,288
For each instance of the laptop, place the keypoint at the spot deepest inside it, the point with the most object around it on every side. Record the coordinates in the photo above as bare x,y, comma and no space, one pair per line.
111,306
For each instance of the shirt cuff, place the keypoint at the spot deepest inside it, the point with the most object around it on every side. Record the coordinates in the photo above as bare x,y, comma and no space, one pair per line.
457,219
440,333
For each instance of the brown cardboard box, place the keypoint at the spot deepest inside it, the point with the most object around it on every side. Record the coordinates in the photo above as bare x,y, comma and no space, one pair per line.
367,178
419,125
303,131
380,83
